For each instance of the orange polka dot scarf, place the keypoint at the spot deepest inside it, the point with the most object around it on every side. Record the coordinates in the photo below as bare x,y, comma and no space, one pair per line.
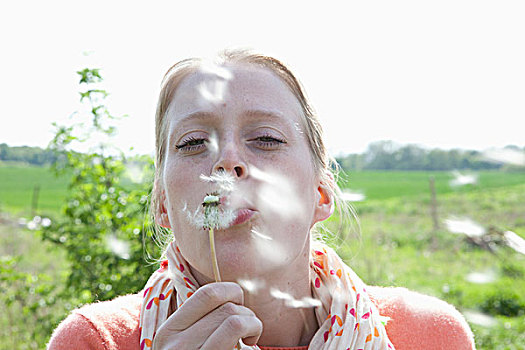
347,317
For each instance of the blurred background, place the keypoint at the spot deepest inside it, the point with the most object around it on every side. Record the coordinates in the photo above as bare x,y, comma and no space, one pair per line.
421,103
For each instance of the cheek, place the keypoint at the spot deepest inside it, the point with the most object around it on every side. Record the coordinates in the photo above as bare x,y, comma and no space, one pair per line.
183,187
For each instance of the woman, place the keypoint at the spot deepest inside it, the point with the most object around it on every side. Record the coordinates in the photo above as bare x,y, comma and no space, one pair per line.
245,118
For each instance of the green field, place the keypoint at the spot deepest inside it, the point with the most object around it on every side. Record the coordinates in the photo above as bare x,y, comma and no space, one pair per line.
397,246
17,185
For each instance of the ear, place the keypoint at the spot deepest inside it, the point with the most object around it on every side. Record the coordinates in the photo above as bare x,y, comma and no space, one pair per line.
325,201
161,212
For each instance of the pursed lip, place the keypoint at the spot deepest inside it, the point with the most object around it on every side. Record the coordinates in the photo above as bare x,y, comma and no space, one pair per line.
243,215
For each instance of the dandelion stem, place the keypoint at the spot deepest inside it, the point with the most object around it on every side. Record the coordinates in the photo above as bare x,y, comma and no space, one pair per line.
216,273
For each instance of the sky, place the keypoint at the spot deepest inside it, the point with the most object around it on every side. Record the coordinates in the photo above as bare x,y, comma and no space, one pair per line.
445,74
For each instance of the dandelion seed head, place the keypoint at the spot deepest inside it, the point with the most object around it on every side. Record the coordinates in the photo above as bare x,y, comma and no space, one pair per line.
465,226
212,212
216,217
211,199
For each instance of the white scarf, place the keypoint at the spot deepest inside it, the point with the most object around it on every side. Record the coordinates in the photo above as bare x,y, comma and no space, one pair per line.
347,317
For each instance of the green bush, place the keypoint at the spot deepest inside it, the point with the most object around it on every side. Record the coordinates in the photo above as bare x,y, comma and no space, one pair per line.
103,221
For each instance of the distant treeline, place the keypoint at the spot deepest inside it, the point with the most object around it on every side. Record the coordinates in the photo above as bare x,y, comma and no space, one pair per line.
387,155
26,154
381,155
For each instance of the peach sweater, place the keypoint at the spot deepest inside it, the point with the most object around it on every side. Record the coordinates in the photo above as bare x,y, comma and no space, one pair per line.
417,322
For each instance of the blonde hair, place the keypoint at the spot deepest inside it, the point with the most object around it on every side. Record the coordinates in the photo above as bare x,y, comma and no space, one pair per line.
325,165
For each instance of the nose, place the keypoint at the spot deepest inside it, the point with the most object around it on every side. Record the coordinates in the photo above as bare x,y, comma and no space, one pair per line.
231,161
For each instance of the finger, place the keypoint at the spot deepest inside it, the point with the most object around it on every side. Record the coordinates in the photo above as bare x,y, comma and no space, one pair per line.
203,301
195,336
209,323
235,327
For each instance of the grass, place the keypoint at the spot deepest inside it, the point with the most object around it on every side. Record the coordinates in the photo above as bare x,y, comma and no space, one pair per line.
379,185
17,186
398,245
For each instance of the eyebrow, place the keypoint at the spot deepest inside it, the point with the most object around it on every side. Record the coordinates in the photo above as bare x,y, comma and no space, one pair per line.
256,113
265,113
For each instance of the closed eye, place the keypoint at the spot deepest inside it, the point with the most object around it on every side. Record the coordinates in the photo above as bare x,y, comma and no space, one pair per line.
268,142
192,144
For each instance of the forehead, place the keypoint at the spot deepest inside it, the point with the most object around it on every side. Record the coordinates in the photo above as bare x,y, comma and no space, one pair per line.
238,86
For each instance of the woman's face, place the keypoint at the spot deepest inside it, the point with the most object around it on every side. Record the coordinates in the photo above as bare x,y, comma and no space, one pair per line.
243,120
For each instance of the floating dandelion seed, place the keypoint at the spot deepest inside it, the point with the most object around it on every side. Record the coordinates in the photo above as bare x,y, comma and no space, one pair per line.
213,144
251,285
277,193
462,180
134,172
22,222
479,318
297,127
350,196
46,222
515,242
223,180
214,69
272,251
118,247
506,156
32,225
292,302
481,277
257,234
214,89
465,226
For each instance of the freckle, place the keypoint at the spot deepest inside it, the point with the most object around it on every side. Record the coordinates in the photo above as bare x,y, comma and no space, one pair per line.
224,104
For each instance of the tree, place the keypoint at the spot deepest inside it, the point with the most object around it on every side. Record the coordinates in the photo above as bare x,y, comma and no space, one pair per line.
103,221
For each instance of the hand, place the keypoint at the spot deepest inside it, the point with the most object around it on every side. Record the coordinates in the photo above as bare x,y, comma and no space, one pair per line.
212,318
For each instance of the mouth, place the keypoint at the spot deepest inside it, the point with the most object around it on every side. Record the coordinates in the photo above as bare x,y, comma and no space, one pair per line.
242,216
